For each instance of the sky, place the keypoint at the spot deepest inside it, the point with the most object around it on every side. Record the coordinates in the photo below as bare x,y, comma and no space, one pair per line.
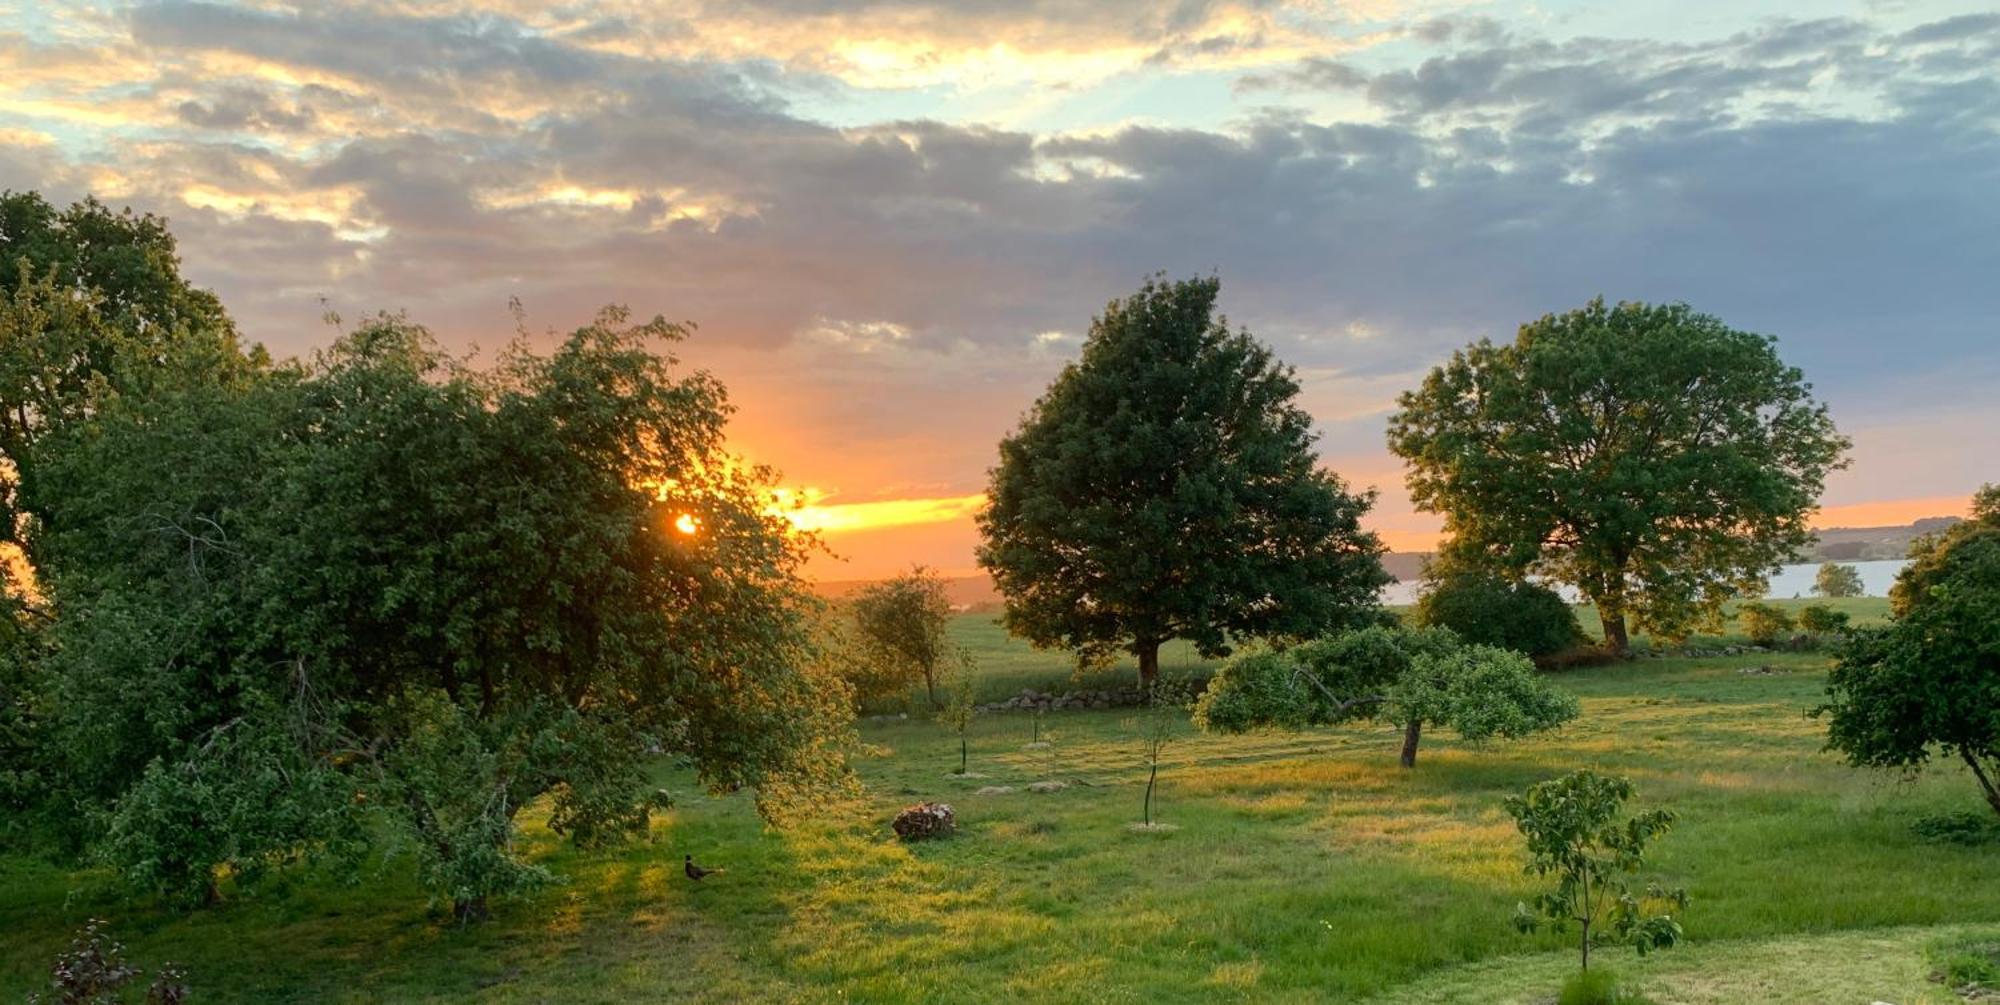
893,220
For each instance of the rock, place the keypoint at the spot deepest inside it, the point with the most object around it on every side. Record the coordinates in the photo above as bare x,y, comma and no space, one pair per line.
1051,785
925,821
994,790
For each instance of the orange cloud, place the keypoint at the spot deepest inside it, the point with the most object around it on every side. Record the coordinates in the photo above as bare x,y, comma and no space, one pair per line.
805,511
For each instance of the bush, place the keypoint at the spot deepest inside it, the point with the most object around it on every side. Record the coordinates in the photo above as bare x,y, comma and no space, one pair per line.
1485,609
1764,623
93,971
1820,619
1597,987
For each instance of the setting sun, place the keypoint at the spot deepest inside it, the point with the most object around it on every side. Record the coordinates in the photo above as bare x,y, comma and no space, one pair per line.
686,523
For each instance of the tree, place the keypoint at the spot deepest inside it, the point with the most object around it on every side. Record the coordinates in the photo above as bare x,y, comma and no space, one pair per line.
1166,705
1164,486
1764,623
386,595
1927,553
1399,675
1486,609
1822,620
957,710
1575,833
1837,580
902,624
1930,681
1650,456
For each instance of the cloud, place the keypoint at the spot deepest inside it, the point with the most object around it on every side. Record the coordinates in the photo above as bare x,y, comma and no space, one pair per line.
1404,184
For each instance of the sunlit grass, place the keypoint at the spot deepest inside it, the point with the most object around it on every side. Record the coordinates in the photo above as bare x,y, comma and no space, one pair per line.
1301,868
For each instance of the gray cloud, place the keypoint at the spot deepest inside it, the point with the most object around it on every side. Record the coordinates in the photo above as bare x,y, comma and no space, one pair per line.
1825,181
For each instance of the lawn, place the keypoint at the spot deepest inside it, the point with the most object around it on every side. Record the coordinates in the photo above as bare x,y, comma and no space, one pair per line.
1301,868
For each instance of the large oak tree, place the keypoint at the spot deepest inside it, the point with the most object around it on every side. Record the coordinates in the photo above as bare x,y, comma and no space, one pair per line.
1650,455
1165,487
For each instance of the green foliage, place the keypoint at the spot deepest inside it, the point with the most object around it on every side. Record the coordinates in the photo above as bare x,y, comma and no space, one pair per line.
1820,619
1576,833
1488,610
1927,553
1411,677
901,630
388,584
94,971
1764,623
1930,681
1657,460
1837,580
1968,964
1164,486
1960,828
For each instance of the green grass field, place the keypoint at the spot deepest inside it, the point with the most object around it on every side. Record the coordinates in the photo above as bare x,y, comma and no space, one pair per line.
1300,868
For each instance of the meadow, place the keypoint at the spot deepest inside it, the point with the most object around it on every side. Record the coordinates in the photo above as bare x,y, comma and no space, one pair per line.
1296,868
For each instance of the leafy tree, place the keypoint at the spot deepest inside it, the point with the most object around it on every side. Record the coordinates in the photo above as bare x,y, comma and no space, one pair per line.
1930,681
1927,553
388,584
1764,623
1486,609
1164,486
902,624
1404,676
1657,460
1837,580
1820,619
1575,832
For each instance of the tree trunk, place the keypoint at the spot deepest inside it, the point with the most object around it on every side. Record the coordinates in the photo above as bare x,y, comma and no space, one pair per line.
930,685
1152,775
1148,651
1985,780
1411,734
470,910
1614,629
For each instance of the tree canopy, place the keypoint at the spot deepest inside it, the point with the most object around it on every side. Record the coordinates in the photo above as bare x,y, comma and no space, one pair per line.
1837,580
1164,486
387,585
1410,677
1649,455
901,624
1930,681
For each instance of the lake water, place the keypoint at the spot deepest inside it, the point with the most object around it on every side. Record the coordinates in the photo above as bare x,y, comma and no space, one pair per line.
1791,581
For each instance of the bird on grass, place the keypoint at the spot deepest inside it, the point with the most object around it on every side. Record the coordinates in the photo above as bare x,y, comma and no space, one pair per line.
695,872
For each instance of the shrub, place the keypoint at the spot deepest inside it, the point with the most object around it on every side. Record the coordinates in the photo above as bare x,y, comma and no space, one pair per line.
1820,619
1764,623
93,971
1485,609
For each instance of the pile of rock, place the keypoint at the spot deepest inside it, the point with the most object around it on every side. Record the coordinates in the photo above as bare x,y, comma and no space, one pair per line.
1048,701
1690,651
925,821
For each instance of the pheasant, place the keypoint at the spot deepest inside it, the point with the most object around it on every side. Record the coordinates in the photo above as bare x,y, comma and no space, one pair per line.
695,872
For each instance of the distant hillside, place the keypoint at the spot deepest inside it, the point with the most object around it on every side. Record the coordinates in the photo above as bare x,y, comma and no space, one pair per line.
1862,544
